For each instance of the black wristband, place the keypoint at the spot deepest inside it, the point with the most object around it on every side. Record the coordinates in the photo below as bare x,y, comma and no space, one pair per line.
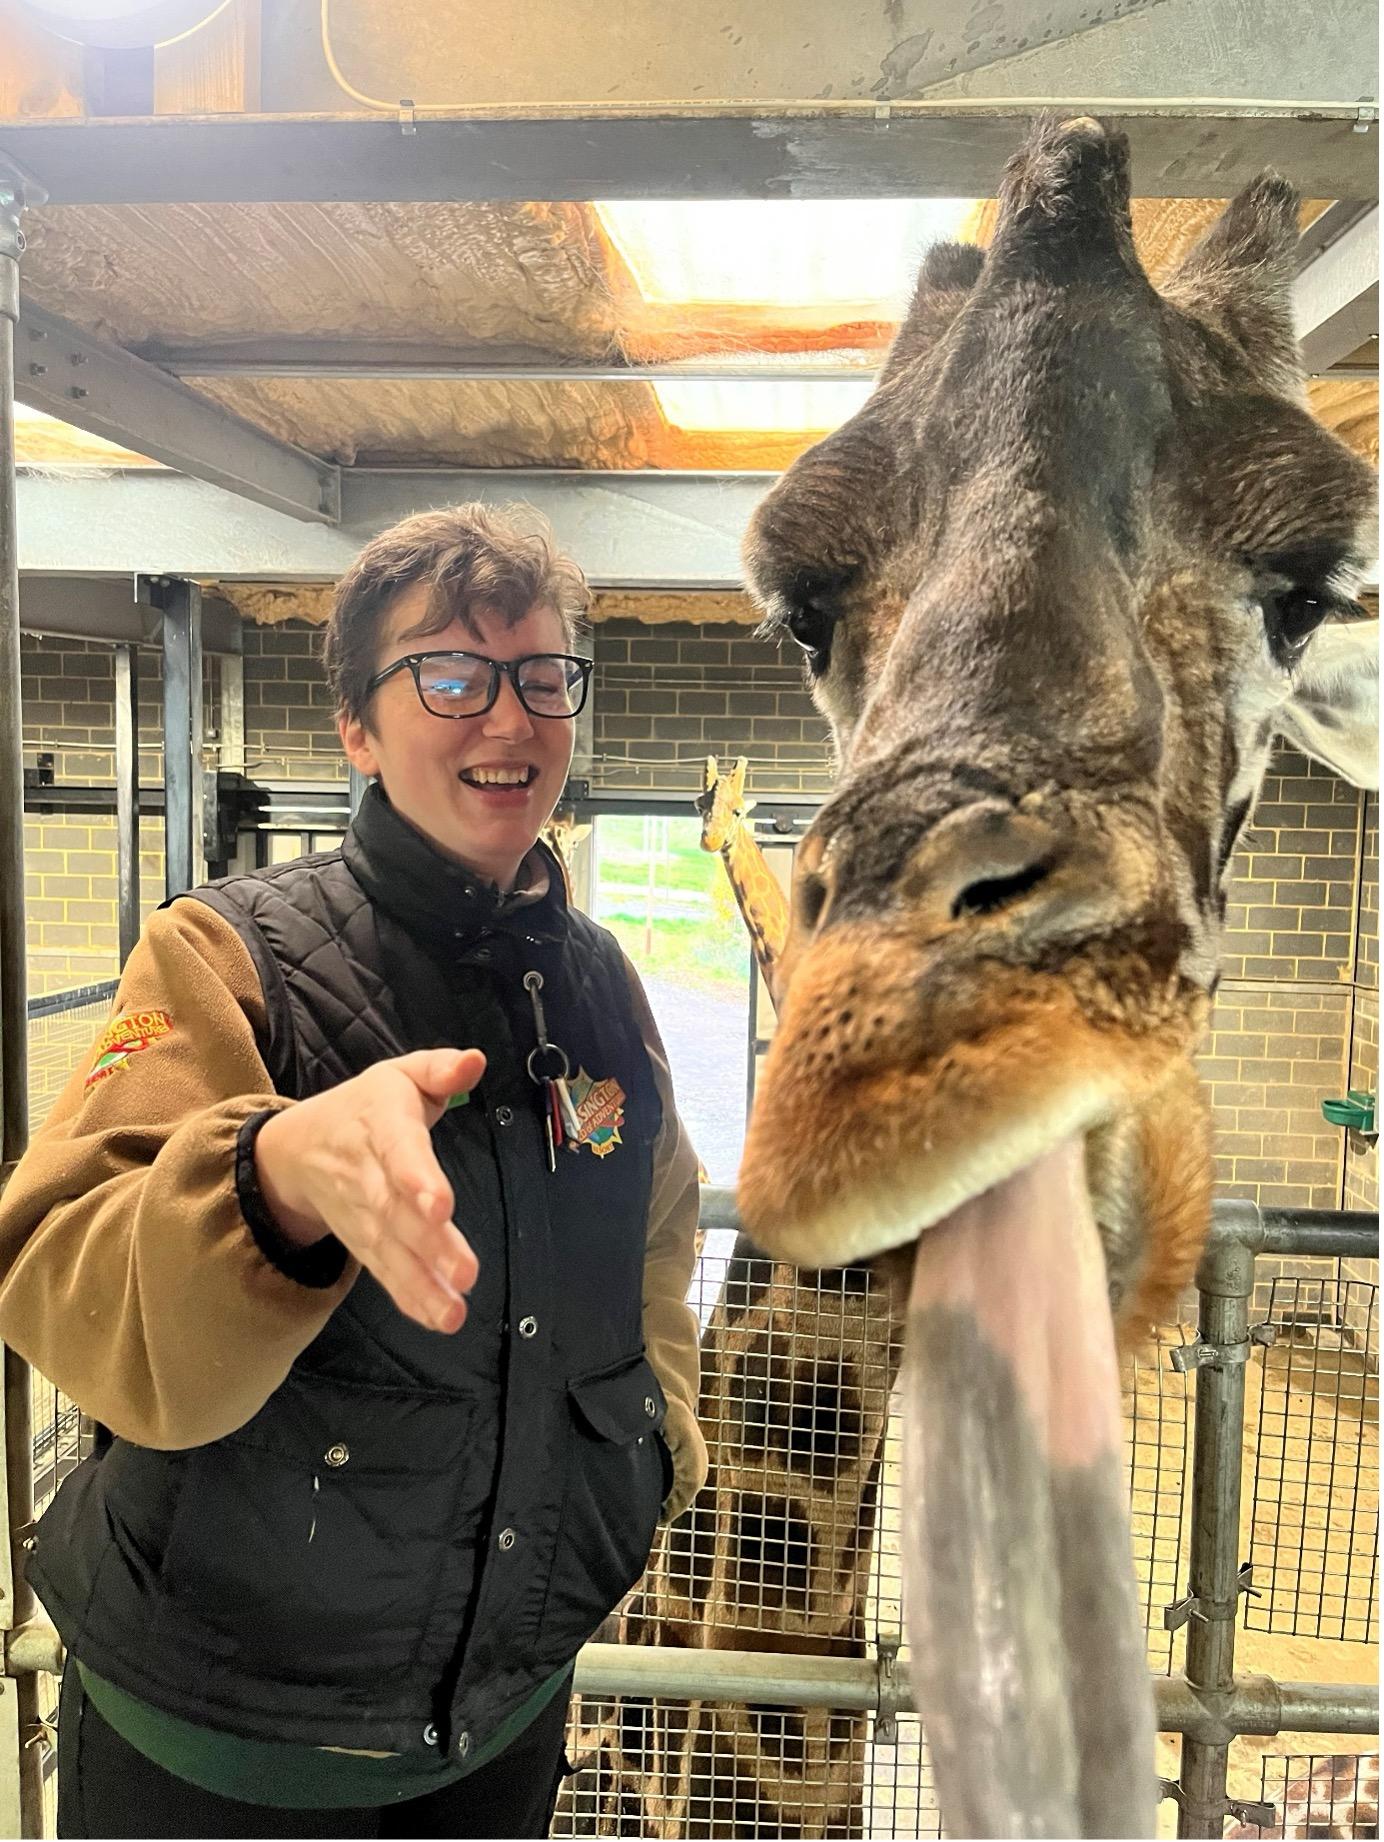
320,1265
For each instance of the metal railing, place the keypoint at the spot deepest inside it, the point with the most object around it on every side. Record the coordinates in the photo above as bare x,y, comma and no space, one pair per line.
1208,1703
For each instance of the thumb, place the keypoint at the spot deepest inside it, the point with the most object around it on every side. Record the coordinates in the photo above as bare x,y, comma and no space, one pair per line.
438,1074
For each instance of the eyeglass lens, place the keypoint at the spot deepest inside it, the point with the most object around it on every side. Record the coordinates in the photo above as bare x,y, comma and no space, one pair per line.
455,685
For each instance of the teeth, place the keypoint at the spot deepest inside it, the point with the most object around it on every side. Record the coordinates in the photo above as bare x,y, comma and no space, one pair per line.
497,777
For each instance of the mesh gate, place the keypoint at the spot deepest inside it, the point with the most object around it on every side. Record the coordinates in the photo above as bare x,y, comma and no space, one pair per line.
61,1029
1328,1794
1315,1531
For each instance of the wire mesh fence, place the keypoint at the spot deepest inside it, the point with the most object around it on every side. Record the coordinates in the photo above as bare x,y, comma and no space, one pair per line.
1328,1794
61,1029
835,1778
1315,1495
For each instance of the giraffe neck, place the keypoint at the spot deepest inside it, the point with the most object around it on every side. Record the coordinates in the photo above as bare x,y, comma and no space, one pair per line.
760,901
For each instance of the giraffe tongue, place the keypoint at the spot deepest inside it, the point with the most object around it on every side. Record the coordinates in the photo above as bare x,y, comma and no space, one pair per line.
1028,1659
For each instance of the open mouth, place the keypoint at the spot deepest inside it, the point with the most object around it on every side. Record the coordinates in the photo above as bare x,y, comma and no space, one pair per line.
499,779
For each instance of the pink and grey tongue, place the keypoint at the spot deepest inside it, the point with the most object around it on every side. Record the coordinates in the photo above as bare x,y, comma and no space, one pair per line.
1028,1651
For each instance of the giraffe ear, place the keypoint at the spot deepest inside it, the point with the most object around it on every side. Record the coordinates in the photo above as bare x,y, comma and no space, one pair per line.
948,274
1238,279
1333,713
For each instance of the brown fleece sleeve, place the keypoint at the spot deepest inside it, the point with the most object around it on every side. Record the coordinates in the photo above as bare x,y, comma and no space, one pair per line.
670,1324
129,1273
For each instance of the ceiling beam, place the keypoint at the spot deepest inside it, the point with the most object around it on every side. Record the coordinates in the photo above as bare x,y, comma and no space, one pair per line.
366,358
102,388
644,531
105,610
628,530
1336,296
371,360
914,149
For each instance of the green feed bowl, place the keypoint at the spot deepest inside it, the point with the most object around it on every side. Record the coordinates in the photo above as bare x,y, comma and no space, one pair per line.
1356,1111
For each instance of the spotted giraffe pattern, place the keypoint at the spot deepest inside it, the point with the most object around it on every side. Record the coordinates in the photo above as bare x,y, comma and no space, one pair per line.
1337,1798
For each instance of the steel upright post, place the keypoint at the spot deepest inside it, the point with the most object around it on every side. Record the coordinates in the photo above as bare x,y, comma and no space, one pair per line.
1225,1281
21,1789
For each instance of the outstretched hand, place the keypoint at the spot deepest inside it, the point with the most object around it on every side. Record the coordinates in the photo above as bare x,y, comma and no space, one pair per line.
358,1162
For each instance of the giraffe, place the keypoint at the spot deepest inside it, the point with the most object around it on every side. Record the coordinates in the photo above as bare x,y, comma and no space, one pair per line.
1338,1797
776,1553
757,893
1058,583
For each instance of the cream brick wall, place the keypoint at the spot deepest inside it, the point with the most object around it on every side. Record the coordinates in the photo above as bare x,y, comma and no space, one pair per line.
1297,1015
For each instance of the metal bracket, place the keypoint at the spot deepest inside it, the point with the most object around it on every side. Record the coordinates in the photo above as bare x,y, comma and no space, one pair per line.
1201,1355
1177,1614
1198,1354
408,120
20,184
41,1733
890,1689
1364,120
1264,1816
18,190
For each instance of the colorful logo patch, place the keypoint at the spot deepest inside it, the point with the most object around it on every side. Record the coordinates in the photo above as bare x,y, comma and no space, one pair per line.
125,1037
600,1109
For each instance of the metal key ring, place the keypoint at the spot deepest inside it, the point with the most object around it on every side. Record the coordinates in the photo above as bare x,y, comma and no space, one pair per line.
549,1049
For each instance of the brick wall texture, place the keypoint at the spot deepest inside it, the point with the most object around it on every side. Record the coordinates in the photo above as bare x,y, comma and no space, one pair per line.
1297,1016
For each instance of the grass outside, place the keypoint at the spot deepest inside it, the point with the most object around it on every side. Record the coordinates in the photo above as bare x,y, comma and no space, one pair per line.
669,904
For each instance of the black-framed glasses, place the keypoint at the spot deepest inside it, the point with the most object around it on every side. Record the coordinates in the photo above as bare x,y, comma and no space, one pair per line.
467,683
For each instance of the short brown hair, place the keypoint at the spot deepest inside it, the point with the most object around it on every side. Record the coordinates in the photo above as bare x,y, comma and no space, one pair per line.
471,557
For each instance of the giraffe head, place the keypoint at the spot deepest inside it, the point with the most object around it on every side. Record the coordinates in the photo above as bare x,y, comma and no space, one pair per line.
1058,582
722,804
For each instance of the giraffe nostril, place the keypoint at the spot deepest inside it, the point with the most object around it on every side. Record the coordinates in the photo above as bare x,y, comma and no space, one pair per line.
809,899
989,893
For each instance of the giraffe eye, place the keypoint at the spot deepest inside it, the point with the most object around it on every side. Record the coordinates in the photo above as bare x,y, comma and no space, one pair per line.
811,622
1291,617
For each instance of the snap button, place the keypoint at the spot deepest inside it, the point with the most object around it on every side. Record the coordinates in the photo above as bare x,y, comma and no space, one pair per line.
503,1115
651,1406
463,1745
337,1454
507,1539
528,1327
430,1735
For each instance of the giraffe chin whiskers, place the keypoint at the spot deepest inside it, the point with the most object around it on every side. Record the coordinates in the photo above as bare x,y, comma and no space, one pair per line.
883,1109
912,1193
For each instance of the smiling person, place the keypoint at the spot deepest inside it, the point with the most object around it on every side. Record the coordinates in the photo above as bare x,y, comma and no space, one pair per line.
365,1233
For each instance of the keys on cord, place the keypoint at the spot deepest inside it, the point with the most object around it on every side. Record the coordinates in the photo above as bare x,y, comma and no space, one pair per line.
561,1130
550,1137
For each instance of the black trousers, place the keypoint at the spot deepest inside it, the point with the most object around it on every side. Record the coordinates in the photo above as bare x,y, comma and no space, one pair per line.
107,1788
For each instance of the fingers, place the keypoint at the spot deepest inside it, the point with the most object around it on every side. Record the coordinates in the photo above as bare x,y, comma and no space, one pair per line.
390,1202
416,1288
421,1202
438,1074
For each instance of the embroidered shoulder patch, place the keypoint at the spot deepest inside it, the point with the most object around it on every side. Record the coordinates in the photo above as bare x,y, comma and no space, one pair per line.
600,1109
125,1037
